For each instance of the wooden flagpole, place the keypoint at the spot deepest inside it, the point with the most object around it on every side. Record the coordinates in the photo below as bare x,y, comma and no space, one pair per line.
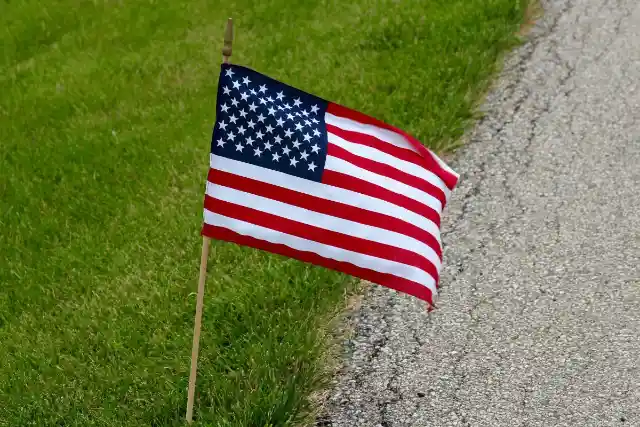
226,53
228,41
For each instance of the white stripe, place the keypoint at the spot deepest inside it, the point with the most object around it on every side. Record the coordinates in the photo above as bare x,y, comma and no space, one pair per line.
327,222
443,165
361,260
324,191
382,157
382,134
339,165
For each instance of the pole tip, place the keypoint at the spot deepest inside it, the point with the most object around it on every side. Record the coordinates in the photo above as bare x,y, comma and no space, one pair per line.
228,40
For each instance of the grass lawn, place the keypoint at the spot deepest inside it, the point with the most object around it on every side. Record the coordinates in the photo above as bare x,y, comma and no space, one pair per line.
106,109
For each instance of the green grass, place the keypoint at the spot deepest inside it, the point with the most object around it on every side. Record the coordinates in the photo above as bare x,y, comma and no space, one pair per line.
106,110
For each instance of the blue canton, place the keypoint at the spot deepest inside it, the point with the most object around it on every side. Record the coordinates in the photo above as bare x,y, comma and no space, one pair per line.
264,122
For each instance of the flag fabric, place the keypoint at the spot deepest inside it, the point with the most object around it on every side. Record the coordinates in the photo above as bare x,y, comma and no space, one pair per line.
293,174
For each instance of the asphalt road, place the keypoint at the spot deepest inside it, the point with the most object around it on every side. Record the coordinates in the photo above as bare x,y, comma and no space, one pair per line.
539,315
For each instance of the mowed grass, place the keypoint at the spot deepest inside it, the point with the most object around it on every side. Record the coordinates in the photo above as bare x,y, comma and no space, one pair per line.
106,110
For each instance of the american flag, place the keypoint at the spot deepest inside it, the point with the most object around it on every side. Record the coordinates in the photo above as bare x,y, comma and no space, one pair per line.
294,174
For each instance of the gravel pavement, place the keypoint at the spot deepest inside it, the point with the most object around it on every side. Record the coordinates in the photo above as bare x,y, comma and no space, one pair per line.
539,315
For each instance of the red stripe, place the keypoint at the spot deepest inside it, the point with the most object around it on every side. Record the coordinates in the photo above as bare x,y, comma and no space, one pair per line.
373,142
349,182
388,171
320,235
327,207
398,283
338,110
390,149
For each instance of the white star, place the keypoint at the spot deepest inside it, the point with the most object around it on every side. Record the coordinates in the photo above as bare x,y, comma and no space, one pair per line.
280,107
288,133
244,96
289,116
277,139
307,122
296,144
222,125
234,102
243,113
314,109
267,145
257,151
251,123
280,95
286,150
231,136
259,134
233,119
253,107
221,142
315,148
224,108
239,147
241,129
293,161
314,120
312,167
276,157
246,81
270,99
316,133
249,141
261,118
262,89
287,106
307,137
269,129
272,111
280,122
226,90
305,113
263,101
304,155
296,102
236,85
253,92
229,72
298,126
